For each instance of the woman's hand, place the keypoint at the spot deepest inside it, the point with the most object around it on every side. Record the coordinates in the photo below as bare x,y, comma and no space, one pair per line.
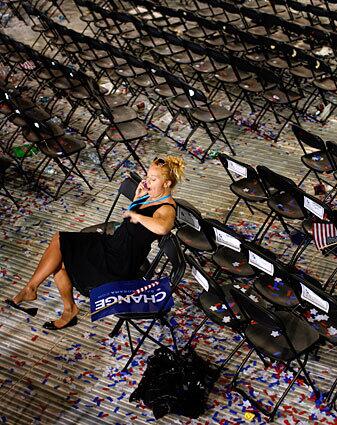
134,217
141,189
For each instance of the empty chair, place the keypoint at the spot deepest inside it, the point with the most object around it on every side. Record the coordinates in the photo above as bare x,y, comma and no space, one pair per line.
246,184
317,161
280,336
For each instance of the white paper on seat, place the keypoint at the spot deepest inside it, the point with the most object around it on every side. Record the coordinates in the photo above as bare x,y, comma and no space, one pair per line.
188,218
237,168
260,263
314,207
200,279
314,299
223,238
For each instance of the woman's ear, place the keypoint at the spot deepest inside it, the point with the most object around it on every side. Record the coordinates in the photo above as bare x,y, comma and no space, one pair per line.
168,183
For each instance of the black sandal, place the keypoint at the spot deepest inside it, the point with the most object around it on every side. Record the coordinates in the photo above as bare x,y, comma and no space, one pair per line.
30,311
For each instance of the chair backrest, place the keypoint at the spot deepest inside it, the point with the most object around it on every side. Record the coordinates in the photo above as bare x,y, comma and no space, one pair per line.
272,180
223,235
261,259
255,313
169,248
193,95
313,297
304,137
237,168
331,148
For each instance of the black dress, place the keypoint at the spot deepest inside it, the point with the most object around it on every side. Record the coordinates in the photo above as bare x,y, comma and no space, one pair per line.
92,259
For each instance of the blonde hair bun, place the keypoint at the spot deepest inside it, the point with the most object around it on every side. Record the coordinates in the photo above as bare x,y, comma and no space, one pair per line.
177,167
173,167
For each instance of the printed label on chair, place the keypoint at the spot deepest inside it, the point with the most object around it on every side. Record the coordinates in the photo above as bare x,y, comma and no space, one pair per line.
314,207
260,263
188,218
314,299
223,238
237,168
200,279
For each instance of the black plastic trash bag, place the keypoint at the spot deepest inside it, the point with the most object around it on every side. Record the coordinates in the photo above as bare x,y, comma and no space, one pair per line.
176,383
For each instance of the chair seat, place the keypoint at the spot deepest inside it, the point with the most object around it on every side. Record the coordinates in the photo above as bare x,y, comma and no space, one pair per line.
99,228
193,238
182,101
37,114
186,58
276,291
235,47
324,324
151,42
233,262
54,130
112,100
168,50
227,75
64,84
326,84
279,36
317,161
131,35
278,63
164,90
93,55
215,309
285,205
127,131
199,33
275,345
249,189
49,74
211,113
256,57
216,41
108,63
123,114
280,97
251,85
258,31
62,147
301,44
80,93
126,71
301,71
206,66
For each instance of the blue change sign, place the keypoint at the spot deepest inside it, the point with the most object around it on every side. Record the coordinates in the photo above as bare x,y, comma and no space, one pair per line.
131,296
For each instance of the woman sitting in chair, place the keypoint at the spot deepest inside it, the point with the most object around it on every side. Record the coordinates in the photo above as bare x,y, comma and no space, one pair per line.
87,260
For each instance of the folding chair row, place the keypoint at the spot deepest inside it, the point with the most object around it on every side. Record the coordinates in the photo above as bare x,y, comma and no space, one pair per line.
280,194
239,307
50,139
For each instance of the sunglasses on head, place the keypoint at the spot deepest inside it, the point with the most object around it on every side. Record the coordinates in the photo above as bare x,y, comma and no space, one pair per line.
159,161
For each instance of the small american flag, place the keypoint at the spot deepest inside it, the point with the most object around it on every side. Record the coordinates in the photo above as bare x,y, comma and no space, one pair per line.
325,235
28,65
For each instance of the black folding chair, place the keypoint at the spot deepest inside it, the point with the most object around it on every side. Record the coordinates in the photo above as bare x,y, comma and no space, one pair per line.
280,336
171,254
246,184
5,163
317,161
218,306
274,283
320,310
284,200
